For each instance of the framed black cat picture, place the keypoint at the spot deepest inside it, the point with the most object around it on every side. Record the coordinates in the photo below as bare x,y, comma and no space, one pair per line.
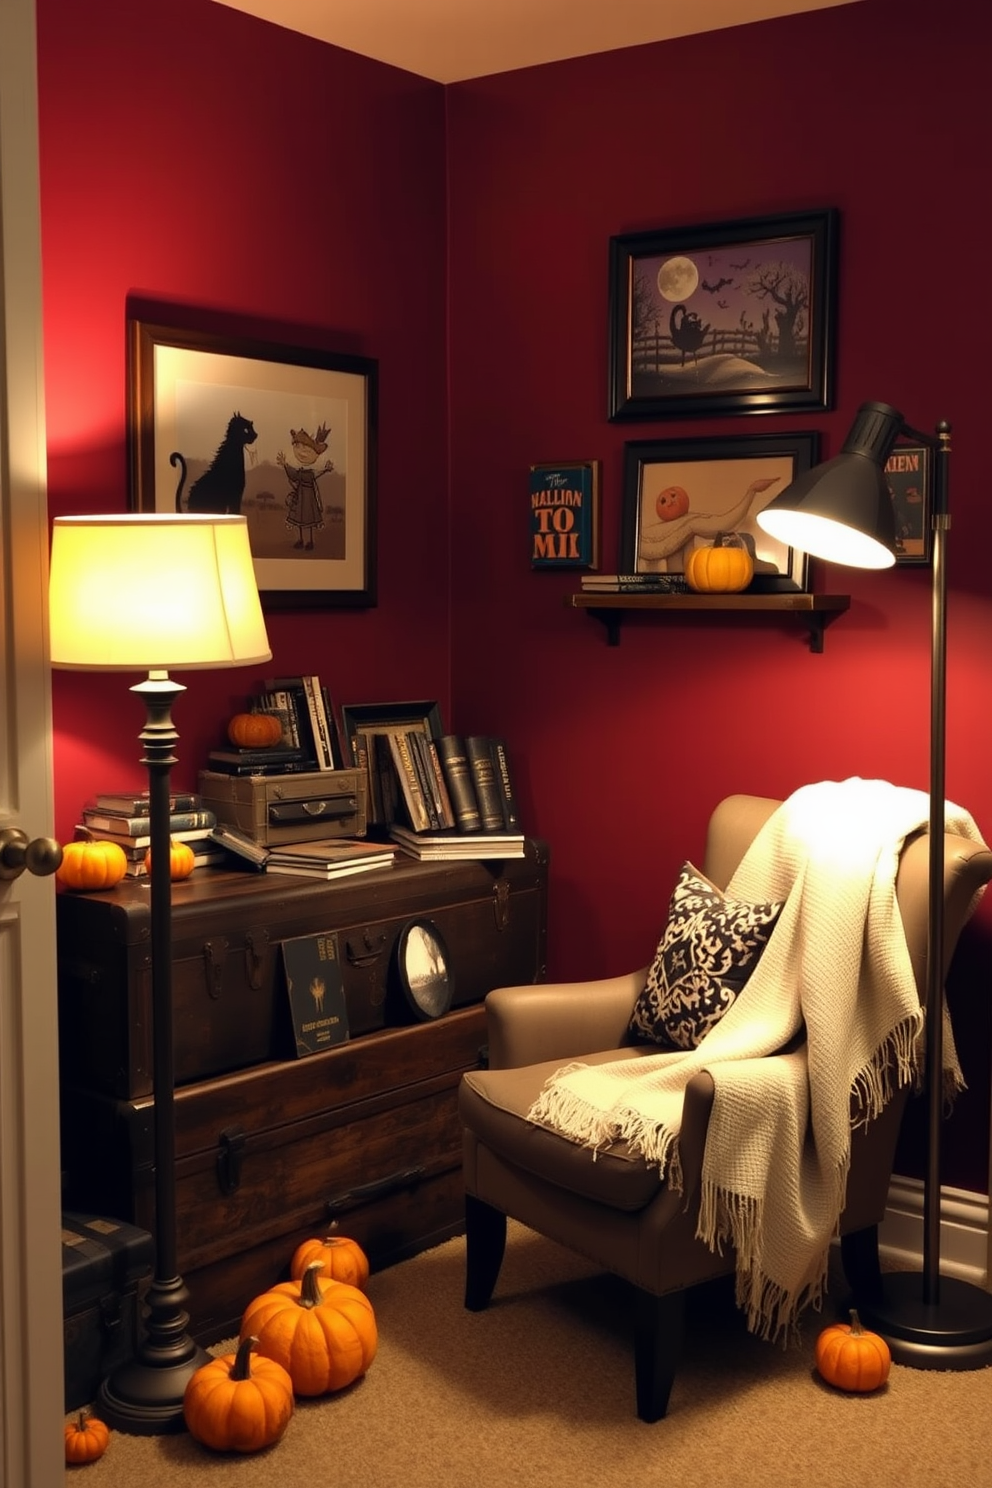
285,436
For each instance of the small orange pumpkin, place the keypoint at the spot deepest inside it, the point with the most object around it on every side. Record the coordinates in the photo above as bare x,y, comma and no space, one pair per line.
254,730
235,1404
91,865
723,568
341,1260
322,1332
86,1438
851,1357
182,860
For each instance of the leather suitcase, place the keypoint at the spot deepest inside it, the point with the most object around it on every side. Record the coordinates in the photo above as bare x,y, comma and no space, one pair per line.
231,1010
364,1137
104,1263
289,808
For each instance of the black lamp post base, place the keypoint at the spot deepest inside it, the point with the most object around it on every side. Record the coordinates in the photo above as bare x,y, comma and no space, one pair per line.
145,1397
955,1332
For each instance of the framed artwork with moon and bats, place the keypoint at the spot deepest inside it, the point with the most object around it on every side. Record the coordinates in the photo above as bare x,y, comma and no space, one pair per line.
733,317
282,435
680,494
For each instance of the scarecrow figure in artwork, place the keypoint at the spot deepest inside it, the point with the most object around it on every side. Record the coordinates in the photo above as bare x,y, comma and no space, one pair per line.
305,510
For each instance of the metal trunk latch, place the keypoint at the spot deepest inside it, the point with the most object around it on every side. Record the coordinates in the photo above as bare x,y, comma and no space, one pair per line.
501,903
230,1155
214,956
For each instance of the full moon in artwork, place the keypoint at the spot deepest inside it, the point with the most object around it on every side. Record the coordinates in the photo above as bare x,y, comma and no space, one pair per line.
678,278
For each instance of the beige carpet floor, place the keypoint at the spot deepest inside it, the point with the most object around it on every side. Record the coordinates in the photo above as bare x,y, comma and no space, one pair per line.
537,1392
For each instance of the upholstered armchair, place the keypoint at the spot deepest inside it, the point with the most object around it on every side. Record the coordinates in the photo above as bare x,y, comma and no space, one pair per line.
614,1208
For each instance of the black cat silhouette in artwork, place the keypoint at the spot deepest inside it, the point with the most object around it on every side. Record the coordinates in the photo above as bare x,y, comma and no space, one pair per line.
221,486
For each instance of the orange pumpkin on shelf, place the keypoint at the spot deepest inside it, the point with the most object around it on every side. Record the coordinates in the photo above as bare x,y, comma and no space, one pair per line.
341,1260
254,730
182,860
725,567
91,865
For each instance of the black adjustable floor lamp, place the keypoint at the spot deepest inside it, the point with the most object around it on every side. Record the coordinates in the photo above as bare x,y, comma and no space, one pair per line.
148,593
842,511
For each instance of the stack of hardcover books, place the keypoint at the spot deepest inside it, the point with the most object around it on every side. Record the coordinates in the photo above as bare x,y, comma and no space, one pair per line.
123,817
475,814
337,857
636,583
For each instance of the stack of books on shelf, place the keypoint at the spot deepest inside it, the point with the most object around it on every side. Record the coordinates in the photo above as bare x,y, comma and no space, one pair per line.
123,817
637,583
309,734
453,798
336,857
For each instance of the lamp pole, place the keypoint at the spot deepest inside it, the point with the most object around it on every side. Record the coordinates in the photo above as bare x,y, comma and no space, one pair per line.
145,1395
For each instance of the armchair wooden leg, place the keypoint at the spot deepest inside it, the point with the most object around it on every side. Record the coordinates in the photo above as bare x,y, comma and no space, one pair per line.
659,1331
859,1257
485,1242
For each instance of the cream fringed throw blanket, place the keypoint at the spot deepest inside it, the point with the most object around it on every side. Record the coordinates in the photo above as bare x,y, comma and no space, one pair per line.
778,1144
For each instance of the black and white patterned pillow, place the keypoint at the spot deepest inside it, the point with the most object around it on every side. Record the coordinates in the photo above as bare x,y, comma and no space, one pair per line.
710,947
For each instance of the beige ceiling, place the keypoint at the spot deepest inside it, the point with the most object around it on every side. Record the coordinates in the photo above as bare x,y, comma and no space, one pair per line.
450,40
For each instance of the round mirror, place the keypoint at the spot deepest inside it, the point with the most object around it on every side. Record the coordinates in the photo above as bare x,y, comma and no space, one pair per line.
423,966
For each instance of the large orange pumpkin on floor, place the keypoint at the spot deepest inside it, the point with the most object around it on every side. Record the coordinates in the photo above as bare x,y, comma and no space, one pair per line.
852,1357
323,1333
238,1404
341,1260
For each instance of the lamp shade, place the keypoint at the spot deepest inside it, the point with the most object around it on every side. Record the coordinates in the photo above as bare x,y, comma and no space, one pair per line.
154,591
842,510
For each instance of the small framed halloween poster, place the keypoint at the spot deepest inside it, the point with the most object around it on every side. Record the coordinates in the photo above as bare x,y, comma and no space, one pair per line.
564,515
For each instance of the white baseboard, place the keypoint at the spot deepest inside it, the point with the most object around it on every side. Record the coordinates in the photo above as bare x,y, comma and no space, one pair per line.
964,1229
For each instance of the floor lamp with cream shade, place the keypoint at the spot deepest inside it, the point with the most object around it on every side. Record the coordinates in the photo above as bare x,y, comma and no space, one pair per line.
155,593
842,511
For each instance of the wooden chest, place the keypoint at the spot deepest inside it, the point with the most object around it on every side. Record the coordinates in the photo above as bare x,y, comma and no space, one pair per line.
229,999
365,1135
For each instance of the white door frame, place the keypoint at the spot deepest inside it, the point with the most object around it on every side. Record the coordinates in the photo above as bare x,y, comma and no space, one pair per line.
31,1380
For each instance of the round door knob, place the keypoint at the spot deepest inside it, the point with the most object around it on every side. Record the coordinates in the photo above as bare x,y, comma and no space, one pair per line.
17,852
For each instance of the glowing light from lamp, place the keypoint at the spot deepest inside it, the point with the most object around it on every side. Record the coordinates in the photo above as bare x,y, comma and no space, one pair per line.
145,592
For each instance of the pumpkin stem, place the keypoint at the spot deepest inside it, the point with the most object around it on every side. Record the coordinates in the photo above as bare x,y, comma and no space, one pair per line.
718,540
241,1368
82,1419
310,1293
856,1327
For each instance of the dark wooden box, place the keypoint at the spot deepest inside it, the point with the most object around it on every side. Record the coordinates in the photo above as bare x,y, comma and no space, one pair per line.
365,1136
231,1010
104,1263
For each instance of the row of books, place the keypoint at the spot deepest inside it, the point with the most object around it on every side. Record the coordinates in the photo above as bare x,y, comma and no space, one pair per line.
447,784
309,733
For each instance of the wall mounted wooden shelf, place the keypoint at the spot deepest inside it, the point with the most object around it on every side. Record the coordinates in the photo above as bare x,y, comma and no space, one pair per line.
817,611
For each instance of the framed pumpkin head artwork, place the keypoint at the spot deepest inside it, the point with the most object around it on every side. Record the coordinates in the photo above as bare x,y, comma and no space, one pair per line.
683,498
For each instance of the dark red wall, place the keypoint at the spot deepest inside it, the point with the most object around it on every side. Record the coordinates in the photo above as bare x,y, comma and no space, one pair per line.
197,157
878,109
